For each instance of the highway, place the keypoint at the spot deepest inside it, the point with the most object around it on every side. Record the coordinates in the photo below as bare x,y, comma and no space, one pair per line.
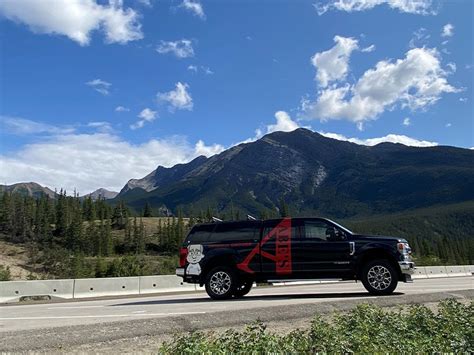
147,315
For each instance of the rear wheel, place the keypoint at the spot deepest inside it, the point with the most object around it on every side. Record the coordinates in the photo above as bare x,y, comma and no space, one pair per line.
243,288
221,283
379,277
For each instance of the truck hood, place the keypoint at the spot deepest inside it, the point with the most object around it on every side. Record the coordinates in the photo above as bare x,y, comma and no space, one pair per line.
380,238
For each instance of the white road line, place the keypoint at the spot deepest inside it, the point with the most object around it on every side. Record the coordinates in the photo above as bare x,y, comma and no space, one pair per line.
102,316
75,307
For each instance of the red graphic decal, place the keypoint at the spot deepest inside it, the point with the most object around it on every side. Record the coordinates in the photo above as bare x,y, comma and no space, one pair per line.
282,257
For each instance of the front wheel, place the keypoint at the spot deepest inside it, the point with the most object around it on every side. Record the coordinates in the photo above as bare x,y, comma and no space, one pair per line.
220,283
379,277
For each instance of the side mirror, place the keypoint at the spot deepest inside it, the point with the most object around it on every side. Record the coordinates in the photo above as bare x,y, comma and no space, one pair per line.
334,234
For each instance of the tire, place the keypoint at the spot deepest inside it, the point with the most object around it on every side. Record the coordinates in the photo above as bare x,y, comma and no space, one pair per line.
221,283
379,277
243,288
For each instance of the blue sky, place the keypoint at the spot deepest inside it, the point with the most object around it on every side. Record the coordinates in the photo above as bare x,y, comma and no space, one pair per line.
94,93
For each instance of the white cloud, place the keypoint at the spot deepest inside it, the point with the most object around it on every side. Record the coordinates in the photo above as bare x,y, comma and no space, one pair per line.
448,30
416,81
448,125
22,126
333,64
177,99
146,115
146,3
284,123
89,161
101,126
181,49
121,109
368,49
451,68
420,7
406,121
390,138
75,19
100,86
195,7
204,69
420,38
463,99
207,70
208,150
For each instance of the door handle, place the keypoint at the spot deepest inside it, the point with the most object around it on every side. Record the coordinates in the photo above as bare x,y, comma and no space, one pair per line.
352,248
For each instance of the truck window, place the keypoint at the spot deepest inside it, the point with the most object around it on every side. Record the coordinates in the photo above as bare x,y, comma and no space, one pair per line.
236,231
200,233
316,230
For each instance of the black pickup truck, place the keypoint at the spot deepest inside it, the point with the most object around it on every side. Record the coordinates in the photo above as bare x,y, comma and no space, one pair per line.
228,257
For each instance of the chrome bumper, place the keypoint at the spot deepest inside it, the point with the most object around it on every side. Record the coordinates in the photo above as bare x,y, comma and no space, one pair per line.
180,271
407,267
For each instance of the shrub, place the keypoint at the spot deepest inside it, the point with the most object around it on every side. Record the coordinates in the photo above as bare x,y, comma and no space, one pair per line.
366,329
5,274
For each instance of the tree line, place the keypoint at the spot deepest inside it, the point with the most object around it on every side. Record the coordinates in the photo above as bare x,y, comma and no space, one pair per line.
74,237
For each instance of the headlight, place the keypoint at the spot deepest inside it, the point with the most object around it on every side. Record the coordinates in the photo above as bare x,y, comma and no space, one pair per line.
404,248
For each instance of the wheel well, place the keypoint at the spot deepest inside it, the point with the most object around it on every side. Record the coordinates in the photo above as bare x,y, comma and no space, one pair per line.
376,254
218,260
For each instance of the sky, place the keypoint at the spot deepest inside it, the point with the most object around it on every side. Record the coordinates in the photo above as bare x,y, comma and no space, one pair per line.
96,92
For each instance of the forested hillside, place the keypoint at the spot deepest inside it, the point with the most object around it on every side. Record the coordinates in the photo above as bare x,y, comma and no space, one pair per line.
72,237
438,235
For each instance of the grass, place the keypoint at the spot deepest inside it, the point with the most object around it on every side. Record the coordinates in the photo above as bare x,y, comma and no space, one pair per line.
367,329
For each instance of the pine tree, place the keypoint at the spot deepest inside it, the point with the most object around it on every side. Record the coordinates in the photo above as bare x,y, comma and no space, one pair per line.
120,216
147,211
284,211
89,209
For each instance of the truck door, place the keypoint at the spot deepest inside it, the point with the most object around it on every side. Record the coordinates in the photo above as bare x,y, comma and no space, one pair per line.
276,247
321,250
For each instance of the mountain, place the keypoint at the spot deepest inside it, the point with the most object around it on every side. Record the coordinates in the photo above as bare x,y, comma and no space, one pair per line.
29,189
102,193
162,176
313,174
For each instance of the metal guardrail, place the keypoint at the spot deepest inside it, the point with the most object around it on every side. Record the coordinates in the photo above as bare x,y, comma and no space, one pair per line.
13,291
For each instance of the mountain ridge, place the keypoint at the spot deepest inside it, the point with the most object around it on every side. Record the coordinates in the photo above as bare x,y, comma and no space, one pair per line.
29,189
313,173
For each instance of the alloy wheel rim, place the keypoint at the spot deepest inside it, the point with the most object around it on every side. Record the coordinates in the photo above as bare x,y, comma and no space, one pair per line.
220,283
379,277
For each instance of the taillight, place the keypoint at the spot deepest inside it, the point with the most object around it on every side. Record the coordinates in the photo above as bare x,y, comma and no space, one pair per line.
183,254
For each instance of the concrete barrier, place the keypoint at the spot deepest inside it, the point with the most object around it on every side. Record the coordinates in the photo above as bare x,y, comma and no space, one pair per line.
455,270
12,291
469,269
436,271
164,283
114,286
420,273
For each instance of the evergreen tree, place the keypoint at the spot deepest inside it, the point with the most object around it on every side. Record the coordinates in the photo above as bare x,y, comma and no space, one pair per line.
284,211
147,211
120,216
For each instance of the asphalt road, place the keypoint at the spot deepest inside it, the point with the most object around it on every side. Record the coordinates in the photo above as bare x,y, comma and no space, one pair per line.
49,315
